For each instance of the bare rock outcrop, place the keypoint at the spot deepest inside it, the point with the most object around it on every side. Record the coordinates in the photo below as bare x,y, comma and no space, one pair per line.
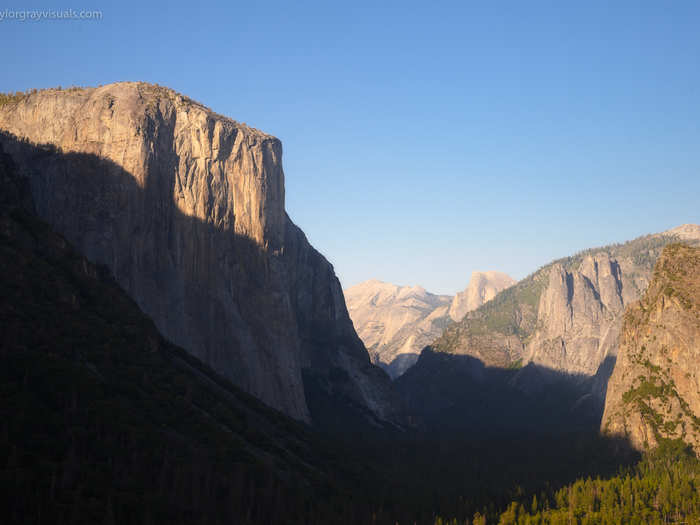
654,391
186,208
578,317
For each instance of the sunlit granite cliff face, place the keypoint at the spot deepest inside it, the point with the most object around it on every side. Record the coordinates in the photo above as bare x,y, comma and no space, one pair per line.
654,391
577,315
186,208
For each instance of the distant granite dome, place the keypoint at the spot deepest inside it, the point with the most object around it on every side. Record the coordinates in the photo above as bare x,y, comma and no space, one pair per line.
483,286
397,322
186,208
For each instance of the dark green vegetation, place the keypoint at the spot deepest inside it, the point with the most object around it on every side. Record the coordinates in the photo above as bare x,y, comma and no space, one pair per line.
662,488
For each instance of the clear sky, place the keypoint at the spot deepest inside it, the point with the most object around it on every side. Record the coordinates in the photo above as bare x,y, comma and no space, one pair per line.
424,140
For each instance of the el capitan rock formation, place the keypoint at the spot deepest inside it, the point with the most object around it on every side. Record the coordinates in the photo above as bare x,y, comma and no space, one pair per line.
186,208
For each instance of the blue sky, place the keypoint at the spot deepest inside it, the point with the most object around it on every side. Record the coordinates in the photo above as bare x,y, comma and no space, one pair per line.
425,140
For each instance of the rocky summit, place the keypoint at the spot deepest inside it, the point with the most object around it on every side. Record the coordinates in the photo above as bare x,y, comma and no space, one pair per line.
654,391
397,322
186,209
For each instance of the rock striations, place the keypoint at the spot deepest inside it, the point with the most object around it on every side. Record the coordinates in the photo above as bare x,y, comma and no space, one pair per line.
397,322
654,391
186,208
578,315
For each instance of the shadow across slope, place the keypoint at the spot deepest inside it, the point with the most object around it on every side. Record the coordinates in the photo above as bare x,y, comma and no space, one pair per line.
459,393
257,316
104,421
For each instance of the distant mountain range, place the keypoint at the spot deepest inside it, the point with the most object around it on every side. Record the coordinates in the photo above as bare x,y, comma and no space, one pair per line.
397,322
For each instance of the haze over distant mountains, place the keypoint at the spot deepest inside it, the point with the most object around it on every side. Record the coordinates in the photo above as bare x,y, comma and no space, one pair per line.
397,322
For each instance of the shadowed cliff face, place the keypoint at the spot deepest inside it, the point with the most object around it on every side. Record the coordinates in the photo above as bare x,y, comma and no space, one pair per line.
654,391
187,210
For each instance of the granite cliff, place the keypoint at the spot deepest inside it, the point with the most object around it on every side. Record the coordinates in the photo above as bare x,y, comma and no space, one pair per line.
397,322
186,209
654,391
